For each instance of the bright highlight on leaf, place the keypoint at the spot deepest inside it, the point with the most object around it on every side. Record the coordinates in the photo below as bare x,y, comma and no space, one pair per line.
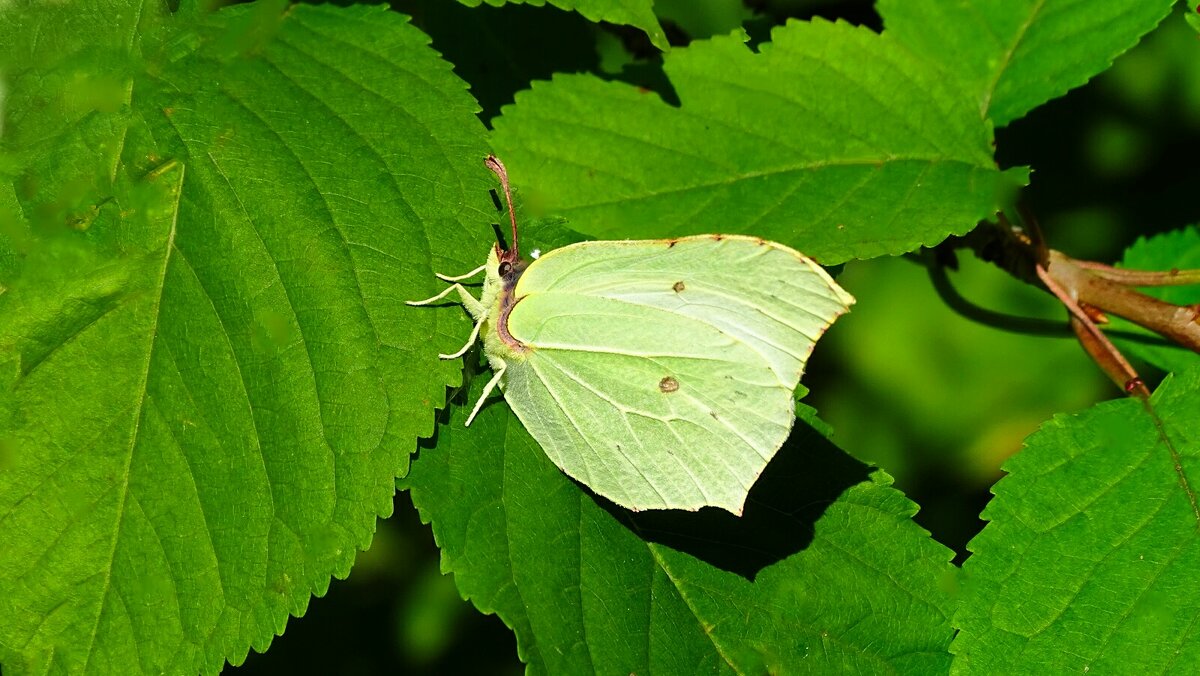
659,373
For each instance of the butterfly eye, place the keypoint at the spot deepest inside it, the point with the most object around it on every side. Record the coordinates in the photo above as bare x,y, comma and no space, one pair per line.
505,268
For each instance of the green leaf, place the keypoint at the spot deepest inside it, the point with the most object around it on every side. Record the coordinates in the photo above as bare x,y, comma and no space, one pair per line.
1014,55
1179,249
636,13
64,94
1091,560
1193,19
705,18
824,573
831,141
210,381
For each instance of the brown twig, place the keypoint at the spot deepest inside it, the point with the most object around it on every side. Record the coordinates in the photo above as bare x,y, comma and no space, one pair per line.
1094,341
1172,277
1180,323
1096,287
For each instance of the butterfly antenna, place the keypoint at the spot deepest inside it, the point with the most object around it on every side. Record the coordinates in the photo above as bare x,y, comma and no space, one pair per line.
497,168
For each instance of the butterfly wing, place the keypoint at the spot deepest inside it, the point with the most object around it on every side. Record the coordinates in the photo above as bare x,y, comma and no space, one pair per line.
661,373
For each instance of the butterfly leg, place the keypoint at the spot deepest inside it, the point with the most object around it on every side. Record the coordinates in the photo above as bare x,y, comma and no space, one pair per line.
470,302
470,341
459,278
487,389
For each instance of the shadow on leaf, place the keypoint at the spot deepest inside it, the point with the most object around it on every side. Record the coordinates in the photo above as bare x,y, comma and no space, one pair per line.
807,474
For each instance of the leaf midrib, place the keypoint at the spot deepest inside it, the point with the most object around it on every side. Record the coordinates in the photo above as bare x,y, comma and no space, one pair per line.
1006,59
136,419
795,169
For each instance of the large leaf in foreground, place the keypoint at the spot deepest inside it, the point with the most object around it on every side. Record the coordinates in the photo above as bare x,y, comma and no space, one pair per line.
1091,561
210,380
1172,250
832,140
824,573
1014,55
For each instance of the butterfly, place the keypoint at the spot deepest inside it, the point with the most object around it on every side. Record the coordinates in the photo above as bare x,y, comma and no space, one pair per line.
658,373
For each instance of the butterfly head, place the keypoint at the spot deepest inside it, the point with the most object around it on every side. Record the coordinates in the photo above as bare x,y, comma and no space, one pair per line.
509,265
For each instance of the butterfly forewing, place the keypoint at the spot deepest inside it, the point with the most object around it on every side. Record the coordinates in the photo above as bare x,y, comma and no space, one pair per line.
761,293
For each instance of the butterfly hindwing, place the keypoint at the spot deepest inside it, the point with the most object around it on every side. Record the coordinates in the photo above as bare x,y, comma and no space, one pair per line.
648,408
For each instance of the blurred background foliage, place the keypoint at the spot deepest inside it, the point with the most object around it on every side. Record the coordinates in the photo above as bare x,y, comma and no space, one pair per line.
935,399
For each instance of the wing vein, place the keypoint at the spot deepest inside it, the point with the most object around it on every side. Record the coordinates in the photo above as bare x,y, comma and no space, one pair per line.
558,402
721,421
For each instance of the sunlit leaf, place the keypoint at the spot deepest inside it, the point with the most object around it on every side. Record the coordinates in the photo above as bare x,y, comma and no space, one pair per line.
210,379
831,140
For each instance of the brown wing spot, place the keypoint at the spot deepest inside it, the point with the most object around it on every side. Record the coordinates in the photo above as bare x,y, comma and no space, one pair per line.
671,243
678,287
668,384
718,238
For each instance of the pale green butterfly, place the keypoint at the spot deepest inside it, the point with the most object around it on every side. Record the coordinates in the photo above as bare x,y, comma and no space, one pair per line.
659,373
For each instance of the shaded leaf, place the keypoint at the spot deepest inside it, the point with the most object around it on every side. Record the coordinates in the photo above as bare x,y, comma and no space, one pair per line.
853,148
940,389
1091,560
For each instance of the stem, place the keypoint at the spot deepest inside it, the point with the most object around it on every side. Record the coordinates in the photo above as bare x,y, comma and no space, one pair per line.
1179,323
955,301
1172,277
1176,458
1094,341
